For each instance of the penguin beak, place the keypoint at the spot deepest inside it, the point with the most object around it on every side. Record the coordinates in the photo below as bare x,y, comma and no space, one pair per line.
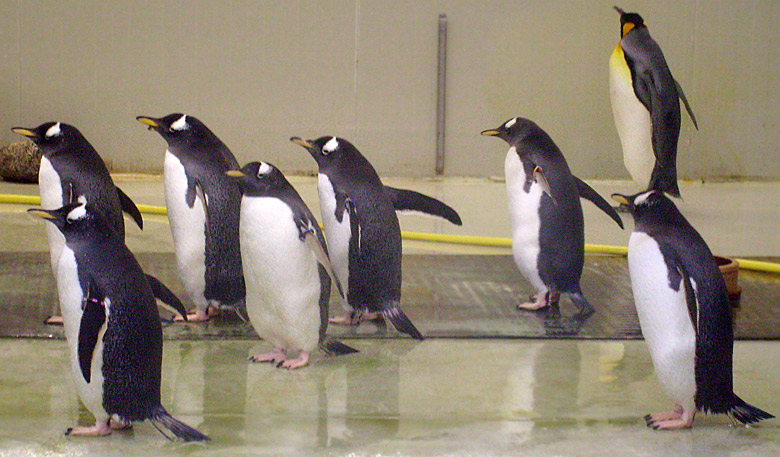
25,132
301,142
235,173
152,123
490,132
42,213
619,10
623,201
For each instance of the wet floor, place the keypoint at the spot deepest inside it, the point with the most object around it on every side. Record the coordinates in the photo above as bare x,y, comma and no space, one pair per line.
394,398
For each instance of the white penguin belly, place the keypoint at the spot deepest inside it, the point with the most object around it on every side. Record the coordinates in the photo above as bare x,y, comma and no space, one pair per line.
50,187
337,233
71,297
524,218
188,228
632,121
281,275
664,319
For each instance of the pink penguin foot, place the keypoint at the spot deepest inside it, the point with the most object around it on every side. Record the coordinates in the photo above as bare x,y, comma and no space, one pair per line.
354,318
299,362
275,356
115,424
200,315
670,420
100,428
536,302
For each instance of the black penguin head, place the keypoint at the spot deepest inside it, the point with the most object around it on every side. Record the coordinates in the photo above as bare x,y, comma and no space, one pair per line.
327,149
512,131
639,204
257,179
178,128
78,221
51,137
629,21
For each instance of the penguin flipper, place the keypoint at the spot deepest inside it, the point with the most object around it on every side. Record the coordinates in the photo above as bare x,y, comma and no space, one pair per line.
538,175
309,237
681,94
195,189
92,320
129,207
169,299
334,347
587,192
392,312
178,428
409,200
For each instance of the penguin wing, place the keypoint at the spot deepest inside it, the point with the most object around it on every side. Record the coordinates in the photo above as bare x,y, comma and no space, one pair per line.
309,235
587,192
168,298
684,99
409,200
195,189
92,320
538,176
129,207
354,225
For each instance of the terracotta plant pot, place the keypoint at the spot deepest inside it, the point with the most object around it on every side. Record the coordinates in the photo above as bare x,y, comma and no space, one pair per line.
729,268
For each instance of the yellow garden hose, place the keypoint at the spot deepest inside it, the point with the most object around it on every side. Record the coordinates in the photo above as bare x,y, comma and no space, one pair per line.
470,240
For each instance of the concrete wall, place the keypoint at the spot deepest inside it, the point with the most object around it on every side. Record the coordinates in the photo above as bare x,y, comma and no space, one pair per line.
258,72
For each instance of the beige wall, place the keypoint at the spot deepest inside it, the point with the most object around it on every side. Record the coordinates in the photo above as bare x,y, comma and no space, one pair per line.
258,72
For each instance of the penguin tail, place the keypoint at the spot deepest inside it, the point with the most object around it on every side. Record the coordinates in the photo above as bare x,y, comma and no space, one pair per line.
171,425
745,413
392,311
334,347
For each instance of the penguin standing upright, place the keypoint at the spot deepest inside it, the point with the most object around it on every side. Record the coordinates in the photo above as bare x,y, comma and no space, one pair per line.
548,237
70,166
111,324
361,226
645,106
203,210
286,268
684,313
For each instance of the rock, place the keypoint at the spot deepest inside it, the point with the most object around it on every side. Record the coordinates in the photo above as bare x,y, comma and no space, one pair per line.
19,162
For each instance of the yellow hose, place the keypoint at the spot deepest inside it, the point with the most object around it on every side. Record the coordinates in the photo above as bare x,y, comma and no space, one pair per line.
470,240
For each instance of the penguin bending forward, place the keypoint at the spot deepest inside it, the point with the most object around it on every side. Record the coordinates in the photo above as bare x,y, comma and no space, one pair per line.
70,166
548,237
645,106
203,211
286,268
684,313
364,238
111,325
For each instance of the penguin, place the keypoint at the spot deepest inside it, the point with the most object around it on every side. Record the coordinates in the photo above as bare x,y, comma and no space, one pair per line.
286,268
111,324
203,211
645,104
548,238
71,166
362,230
684,313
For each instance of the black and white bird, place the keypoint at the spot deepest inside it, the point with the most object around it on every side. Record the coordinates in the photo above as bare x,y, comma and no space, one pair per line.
684,313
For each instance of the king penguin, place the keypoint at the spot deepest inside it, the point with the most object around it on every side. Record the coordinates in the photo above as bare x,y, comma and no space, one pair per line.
548,237
362,230
645,106
111,324
684,313
203,211
286,268
71,166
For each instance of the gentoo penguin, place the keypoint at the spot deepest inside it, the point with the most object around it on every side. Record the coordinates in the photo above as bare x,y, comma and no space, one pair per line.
548,238
111,324
70,166
362,229
684,313
645,106
285,268
203,210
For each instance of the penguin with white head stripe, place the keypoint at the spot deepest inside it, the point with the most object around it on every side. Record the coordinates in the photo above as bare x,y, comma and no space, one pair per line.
203,211
111,325
548,237
286,268
684,313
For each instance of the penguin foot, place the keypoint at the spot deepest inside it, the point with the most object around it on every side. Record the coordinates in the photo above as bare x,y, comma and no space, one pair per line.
116,424
276,356
355,318
672,424
99,429
199,315
535,302
53,320
676,413
299,362
670,420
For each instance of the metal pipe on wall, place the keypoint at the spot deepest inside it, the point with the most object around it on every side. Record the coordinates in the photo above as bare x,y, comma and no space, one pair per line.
441,93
